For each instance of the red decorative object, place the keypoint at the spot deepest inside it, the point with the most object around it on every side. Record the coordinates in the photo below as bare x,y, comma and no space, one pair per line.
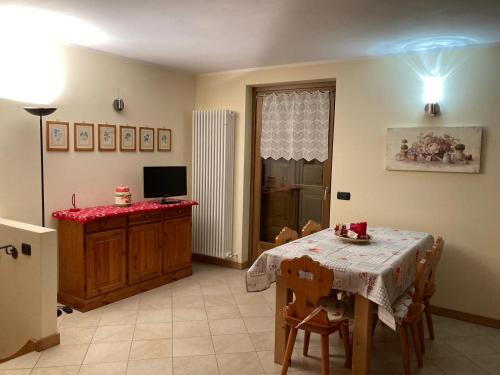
356,231
359,228
86,215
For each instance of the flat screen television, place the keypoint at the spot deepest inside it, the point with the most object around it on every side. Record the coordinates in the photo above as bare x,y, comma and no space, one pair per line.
164,182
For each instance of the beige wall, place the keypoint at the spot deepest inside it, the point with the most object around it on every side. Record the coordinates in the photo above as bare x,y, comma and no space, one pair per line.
375,94
154,97
28,286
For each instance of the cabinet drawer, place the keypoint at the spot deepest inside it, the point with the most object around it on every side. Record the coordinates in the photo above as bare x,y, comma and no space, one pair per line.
146,217
178,212
105,224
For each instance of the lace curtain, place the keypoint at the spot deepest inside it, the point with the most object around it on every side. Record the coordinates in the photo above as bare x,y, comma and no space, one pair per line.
295,126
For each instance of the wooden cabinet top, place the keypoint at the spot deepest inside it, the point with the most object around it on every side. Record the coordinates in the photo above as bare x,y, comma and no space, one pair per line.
90,214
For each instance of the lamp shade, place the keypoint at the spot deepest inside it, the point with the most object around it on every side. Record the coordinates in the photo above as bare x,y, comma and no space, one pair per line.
40,111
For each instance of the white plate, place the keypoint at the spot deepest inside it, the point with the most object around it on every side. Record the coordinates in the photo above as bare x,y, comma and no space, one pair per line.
355,240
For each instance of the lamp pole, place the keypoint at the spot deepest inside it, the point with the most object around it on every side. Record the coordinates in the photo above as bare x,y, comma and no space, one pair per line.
41,112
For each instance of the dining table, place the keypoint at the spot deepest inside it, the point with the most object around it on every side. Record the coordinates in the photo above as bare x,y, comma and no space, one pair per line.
377,272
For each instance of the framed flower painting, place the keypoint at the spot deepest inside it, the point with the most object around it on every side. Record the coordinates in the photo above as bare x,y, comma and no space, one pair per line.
146,139
107,137
83,136
437,149
57,136
164,139
127,138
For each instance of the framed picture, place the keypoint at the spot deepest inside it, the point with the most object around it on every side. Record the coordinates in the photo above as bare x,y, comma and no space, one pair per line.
437,149
57,136
164,139
107,137
146,139
127,138
83,136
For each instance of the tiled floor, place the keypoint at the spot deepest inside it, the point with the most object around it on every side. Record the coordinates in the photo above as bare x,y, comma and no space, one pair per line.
207,324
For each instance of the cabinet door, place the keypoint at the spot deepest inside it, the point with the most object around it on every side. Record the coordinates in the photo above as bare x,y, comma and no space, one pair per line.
106,262
145,251
177,243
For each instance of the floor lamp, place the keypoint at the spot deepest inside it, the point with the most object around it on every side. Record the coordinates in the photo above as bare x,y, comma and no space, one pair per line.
40,112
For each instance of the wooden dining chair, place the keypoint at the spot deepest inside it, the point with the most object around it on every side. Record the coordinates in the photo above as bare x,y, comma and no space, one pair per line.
286,235
311,284
409,311
434,256
310,228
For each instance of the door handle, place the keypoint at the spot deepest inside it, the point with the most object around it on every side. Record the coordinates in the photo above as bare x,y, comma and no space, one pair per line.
325,194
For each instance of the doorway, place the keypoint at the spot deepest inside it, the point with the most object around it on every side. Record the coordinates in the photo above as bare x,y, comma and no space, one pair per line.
290,190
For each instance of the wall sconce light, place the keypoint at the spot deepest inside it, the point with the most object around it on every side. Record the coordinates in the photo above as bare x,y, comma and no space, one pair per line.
118,103
433,94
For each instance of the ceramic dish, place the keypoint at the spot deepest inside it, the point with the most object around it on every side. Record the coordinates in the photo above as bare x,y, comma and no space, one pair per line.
355,240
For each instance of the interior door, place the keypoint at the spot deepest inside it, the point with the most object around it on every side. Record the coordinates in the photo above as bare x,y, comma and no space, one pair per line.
287,192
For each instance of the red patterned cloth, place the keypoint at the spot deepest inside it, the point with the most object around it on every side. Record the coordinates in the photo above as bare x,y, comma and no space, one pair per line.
86,215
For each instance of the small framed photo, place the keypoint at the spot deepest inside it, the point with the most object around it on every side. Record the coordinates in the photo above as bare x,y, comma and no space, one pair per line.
107,137
164,139
127,138
57,136
83,136
146,139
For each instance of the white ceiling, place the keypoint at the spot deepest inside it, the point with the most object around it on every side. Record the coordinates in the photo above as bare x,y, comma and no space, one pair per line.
215,35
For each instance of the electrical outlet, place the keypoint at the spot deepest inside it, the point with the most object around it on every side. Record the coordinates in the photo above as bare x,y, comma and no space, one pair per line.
26,249
342,195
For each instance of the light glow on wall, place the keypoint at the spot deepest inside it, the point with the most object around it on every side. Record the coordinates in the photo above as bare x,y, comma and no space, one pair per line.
31,63
433,89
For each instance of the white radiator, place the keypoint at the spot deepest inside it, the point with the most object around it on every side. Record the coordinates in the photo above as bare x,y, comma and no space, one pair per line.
213,169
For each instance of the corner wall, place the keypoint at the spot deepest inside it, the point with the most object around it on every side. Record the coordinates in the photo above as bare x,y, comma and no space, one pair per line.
373,95
28,286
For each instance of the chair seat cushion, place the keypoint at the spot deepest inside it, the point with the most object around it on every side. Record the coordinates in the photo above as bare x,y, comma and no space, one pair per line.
337,310
401,306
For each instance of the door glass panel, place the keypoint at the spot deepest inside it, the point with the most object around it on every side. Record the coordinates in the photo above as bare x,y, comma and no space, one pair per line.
292,193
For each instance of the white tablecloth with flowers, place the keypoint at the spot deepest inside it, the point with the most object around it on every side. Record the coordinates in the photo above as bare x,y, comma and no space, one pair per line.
381,270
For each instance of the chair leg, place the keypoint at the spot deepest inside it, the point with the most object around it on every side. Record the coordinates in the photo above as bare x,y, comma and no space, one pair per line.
403,336
416,343
428,318
325,354
421,335
289,349
307,336
344,328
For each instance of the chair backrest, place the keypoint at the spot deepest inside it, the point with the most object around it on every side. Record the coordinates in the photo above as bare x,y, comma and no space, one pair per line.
309,281
423,276
286,235
434,256
310,228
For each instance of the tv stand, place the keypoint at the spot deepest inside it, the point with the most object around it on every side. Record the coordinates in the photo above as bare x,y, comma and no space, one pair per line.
103,259
170,201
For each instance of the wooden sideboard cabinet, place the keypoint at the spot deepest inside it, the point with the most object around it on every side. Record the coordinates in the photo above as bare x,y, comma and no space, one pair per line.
109,259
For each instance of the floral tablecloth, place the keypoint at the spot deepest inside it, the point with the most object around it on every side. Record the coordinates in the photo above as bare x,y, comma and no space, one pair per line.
89,214
381,270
